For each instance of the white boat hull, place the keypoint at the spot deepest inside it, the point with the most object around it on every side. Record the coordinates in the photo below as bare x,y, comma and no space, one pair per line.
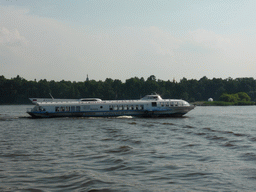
145,107
175,112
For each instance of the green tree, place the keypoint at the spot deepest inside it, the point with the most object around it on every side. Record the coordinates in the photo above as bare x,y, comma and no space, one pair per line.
237,97
18,90
243,96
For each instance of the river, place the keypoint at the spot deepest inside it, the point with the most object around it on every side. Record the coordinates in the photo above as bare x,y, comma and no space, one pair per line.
209,149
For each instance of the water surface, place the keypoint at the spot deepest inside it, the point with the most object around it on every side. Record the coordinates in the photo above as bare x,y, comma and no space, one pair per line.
209,149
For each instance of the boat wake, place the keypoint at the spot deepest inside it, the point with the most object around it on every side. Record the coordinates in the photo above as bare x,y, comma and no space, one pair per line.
5,117
124,117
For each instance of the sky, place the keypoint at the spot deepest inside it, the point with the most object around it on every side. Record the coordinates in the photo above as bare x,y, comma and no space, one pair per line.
120,39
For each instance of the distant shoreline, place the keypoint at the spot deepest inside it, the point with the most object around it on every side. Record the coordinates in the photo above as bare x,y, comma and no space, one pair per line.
222,103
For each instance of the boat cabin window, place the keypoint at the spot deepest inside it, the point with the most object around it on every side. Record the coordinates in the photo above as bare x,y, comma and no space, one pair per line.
152,97
179,103
77,108
62,109
184,103
36,108
41,109
90,99
154,104
86,107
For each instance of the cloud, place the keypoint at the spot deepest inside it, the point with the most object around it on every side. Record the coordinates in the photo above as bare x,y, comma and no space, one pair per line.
55,50
238,47
163,42
207,53
208,39
11,38
38,47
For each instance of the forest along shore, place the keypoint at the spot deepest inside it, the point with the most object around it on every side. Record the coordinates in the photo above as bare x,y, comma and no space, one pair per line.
17,90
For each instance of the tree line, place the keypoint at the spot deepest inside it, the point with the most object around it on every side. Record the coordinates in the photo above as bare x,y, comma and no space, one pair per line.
17,90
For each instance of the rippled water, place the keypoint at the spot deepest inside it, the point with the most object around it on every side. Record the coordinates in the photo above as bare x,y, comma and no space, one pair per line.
210,149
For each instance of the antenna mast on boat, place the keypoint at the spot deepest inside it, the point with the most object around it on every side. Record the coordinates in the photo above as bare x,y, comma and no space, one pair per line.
51,95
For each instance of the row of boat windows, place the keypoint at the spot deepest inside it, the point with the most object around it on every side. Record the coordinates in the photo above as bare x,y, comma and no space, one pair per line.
111,107
170,104
126,107
141,107
72,108
119,107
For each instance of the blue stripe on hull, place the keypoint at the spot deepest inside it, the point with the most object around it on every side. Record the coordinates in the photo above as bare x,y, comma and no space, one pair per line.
108,114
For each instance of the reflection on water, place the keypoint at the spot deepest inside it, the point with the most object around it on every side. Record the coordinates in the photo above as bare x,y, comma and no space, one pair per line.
210,149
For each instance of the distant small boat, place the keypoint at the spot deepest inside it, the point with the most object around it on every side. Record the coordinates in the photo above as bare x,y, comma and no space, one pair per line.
148,106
